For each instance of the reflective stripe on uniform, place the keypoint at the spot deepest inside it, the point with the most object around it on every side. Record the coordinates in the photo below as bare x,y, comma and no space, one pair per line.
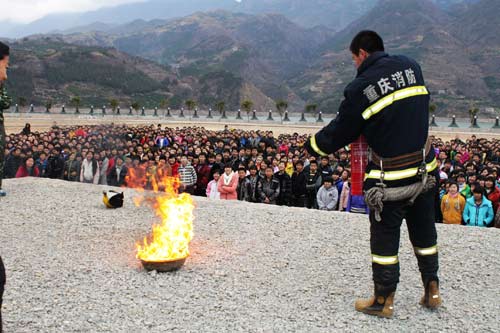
314,146
426,251
395,96
385,260
400,174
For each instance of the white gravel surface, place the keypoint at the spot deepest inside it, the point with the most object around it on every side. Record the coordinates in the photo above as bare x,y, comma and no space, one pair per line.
71,267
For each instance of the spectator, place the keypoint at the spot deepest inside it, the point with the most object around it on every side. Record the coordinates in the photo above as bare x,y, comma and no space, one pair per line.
325,168
27,129
252,185
28,169
89,172
212,187
299,185
203,174
228,184
55,165
269,187
243,183
452,205
72,168
118,173
13,160
478,210
41,163
328,195
187,176
463,188
103,168
313,183
344,195
492,192
285,195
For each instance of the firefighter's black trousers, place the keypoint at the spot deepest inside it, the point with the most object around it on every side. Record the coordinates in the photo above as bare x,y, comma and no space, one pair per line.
420,219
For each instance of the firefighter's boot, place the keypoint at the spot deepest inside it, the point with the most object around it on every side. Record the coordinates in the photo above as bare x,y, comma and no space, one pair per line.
381,305
431,299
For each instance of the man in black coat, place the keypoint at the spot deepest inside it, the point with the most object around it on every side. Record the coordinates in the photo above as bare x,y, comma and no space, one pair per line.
55,165
118,173
299,182
284,198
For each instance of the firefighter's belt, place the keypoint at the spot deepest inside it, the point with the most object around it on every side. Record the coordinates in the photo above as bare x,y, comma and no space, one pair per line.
403,160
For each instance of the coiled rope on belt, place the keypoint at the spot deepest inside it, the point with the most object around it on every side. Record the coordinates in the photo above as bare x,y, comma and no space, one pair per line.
376,196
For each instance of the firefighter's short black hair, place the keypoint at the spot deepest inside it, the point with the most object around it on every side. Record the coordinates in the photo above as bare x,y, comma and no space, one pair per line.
368,40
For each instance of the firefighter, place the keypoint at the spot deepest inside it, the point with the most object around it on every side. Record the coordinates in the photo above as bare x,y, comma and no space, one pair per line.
388,104
4,104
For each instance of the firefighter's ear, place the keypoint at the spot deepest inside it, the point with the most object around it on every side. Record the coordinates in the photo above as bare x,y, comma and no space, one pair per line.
363,54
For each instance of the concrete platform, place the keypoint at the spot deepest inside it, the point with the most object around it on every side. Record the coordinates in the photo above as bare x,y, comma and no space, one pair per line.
253,268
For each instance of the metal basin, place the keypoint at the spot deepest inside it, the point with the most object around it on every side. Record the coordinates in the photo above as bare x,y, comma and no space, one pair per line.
163,266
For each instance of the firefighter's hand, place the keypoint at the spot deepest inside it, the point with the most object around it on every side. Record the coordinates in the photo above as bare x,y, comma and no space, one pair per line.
308,151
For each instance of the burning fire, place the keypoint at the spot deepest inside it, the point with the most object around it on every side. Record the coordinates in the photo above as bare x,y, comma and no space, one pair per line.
170,239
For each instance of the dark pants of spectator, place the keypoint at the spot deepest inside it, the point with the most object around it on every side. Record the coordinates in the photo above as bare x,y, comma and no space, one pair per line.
384,241
300,201
311,200
283,201
201,191
187,189
2,285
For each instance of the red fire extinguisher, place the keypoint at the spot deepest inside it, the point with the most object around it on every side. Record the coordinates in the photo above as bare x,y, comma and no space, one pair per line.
359,162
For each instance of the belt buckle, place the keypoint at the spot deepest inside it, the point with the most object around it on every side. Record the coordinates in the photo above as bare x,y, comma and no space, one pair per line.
422,170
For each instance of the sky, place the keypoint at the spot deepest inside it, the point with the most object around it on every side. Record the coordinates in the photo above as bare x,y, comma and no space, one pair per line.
26,11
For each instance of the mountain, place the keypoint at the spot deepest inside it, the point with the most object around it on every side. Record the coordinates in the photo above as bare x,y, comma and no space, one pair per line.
334,14
478,29
416,28
221,55
47,68
264,50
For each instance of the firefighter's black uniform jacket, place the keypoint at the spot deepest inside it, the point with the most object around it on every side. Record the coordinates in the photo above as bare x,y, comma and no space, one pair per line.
388,103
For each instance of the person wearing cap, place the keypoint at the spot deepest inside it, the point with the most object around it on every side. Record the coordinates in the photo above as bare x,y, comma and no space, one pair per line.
328,195
5,102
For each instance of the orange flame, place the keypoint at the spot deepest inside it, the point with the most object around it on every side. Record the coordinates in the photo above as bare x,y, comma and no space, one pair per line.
170,239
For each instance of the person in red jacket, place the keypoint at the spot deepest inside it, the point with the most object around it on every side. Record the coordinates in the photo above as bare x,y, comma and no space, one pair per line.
28,169
203,175
492,192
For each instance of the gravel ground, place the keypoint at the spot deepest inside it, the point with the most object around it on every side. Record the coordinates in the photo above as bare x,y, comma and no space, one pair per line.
253,268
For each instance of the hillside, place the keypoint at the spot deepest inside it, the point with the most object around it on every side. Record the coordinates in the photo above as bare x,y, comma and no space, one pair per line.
335,14
48,69
416,28
221,55
478,29
264,50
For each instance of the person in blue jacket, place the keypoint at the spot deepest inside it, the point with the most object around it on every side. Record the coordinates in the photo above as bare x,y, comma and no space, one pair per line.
478,210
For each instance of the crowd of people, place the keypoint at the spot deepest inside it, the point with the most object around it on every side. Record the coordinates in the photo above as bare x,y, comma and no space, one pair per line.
252,166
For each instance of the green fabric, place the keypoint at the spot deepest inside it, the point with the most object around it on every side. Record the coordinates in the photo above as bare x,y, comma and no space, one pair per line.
466,192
